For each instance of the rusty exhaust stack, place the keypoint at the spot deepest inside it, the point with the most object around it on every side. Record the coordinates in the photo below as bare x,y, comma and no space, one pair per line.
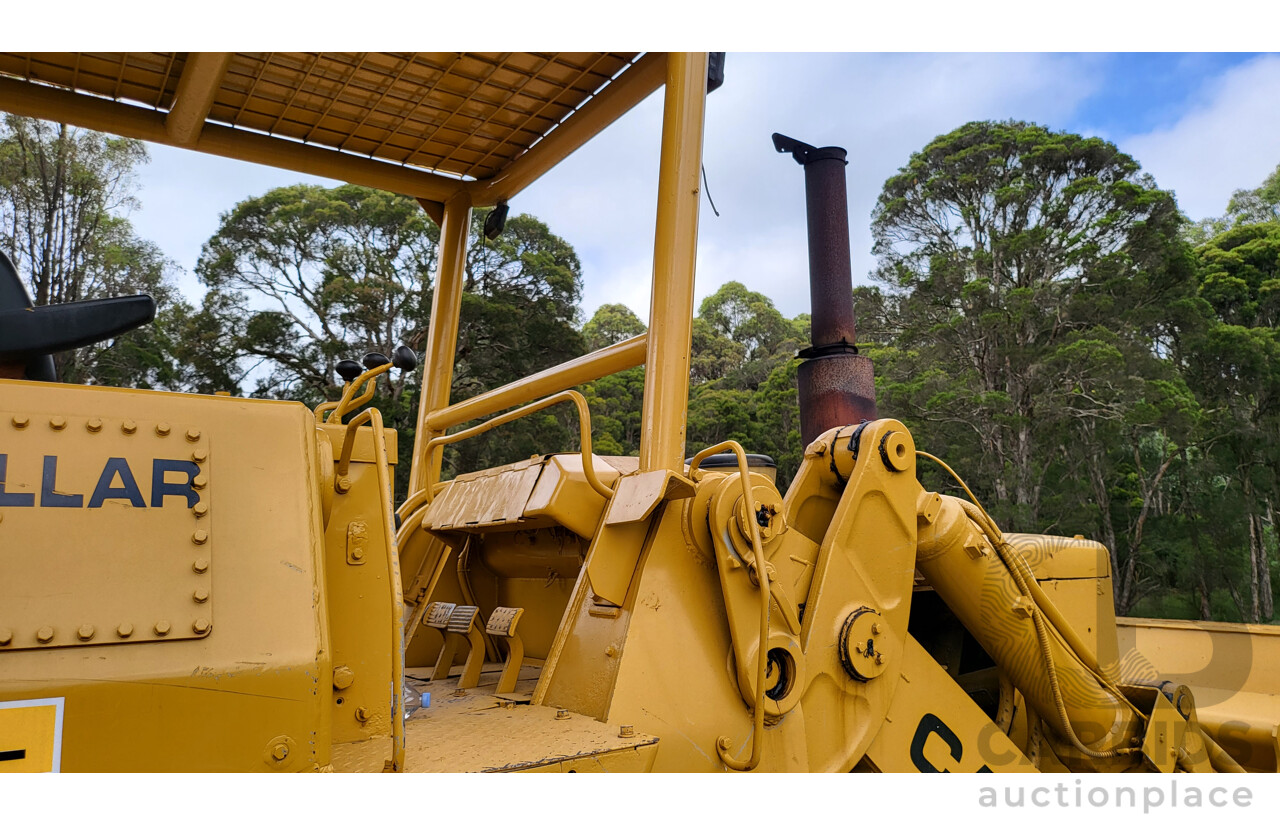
836,385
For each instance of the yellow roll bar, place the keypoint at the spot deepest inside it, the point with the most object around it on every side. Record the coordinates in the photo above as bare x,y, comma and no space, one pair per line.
584,431
664,350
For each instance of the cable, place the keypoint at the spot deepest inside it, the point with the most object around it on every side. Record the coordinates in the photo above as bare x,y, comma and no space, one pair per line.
706,188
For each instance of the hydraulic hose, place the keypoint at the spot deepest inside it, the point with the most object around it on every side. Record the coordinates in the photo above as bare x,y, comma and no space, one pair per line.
1022,580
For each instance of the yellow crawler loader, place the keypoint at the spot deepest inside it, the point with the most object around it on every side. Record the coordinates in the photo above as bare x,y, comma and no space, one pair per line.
206,583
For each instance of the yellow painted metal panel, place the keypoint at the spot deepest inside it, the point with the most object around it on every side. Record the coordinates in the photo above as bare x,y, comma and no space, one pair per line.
209,703
933,727
1232,669
133,504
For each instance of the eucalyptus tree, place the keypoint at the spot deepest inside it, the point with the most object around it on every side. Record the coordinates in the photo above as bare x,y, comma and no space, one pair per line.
65,199
1003,243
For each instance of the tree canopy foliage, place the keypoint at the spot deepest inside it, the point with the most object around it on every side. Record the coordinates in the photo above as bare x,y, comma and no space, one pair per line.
1047,325
1247,206
304,276
65,196
1089,360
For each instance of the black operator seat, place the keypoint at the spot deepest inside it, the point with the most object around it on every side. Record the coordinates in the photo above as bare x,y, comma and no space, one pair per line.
29,335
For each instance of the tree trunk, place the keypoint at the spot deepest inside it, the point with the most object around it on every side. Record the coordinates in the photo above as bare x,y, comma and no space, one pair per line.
1102,497
1206,612
1268,606
1129,595
1193,527
1257,568
1235,597
1255,543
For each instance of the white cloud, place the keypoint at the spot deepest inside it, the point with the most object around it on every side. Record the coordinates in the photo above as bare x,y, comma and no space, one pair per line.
1226,141
880,107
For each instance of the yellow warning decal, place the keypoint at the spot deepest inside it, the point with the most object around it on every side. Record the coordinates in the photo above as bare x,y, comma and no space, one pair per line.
31,736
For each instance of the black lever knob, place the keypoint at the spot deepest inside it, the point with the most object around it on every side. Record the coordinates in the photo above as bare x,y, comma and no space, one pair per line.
349,370
405,359
375,359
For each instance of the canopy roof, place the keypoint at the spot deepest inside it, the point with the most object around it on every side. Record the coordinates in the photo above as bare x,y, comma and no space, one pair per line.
430,120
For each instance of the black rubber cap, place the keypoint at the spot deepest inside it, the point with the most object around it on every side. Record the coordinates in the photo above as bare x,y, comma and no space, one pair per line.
405,359
375,359
349,370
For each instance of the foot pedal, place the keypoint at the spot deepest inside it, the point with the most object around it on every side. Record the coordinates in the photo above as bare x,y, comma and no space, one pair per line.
437,616
502,623
463,625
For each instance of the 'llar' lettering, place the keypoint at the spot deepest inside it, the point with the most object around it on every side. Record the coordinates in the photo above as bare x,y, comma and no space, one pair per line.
105,490
8,499
161,488
49,496
115,482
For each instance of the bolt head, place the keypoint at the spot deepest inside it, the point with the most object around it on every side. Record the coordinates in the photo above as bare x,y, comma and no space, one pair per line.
6,636
200,536
343,677
58,422
125,630
357,553
162,628
343,484
44,635
128,426
280,752
21,421
200,565
193,434
200,596
626,731
93,425
162,429
85,632
875,628
200,481
200,626
201,509
199,455
362,715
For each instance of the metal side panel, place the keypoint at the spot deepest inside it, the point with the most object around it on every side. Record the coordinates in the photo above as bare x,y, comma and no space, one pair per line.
111,547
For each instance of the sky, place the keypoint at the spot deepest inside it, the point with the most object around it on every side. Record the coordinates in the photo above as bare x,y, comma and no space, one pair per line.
1203,124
